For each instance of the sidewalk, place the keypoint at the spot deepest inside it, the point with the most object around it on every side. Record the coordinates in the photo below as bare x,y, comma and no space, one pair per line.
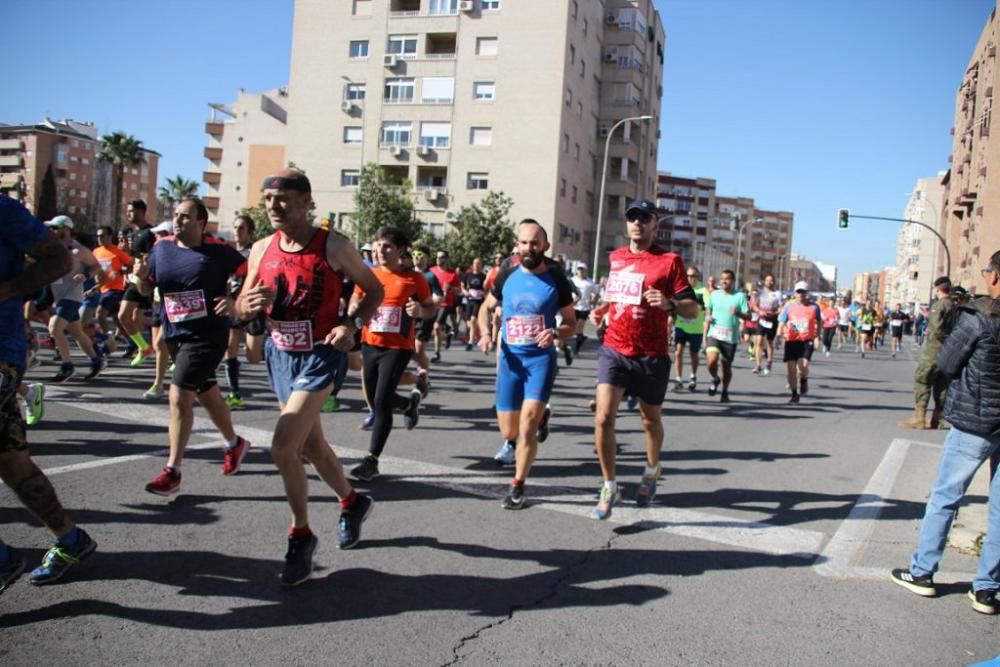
970,521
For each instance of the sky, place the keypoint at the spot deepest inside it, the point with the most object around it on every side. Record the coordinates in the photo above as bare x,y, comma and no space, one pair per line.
807,105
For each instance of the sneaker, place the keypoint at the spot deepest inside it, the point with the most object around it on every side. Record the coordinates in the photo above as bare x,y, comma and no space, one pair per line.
592,405
129,350
298,560
166,483
828,353
331,404
507,454
693,385
468,347
606,503
233,456
171,368
724,398
568,354
515,499
66,371
141,356
985,602
794,398
436,357
756,370
678,385
713,386
153,393
631,402
367,470
767,369
366,424
412,413
60,558
804,386
11,569
423,385
920,585
349,527
96,366
543,425
36,408
235,402
647,489
447,339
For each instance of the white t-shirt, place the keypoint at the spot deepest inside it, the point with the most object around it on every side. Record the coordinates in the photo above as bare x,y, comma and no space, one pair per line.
587,288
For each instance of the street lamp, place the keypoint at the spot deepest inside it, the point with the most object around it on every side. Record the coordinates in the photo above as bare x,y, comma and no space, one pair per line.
604,176
739,242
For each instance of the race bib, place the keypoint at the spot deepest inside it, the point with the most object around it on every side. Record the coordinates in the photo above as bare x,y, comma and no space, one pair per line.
387,319
476,294
755,317
522,329
686,320
185,306
767,324
800,326
624,287
106,265
897,323
866,327
717,332
292,336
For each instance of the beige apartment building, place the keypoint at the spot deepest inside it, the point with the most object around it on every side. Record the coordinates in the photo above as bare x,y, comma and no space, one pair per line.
246,142
972,186
917,249
463,97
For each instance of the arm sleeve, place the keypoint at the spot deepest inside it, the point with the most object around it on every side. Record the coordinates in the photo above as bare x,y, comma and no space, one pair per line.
958,346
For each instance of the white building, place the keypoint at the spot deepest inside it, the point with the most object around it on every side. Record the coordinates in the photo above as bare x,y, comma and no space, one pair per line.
917,249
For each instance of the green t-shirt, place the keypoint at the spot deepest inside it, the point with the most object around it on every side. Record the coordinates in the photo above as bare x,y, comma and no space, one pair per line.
696,324
725,325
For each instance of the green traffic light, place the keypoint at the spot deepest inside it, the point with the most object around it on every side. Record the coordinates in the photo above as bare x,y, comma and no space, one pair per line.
843,218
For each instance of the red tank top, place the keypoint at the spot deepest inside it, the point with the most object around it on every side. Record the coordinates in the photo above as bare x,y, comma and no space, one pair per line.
306,287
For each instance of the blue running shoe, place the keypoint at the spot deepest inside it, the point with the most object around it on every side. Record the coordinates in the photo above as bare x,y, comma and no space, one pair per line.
349,527
507,454
60,558
298,560
369,419
605,504
647,488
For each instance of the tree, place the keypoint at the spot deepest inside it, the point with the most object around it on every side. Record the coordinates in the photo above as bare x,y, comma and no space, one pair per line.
379,202
123,151
47,196
177,189
480,230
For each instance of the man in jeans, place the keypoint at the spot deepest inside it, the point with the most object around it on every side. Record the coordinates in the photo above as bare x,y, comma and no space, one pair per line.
970,359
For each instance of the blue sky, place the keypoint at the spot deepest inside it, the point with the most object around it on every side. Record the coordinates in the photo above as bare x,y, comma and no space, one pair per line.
805,105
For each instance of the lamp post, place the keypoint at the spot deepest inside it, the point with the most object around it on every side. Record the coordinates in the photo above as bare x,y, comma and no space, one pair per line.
739,242
604,176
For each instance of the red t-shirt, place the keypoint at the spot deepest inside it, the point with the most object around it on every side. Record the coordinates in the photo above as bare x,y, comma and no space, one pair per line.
636,329
449,278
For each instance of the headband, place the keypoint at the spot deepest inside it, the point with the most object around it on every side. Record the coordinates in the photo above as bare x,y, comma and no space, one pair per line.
298,182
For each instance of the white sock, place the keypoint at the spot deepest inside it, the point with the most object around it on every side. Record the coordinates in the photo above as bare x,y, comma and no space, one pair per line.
613,485
651,472
175,468
232,443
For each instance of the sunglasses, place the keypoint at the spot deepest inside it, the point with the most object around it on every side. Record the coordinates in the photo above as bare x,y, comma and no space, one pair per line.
641,219
986,271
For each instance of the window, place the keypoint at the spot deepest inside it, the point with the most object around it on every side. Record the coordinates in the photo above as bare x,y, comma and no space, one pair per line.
486,46
484,90
74,143
354,91
572,54
86,161
583,69
562,187
359,48
579,109
481,136
585,26
404,46
72,177
438,7
350,178
564,146
575,10
396,133
399,91
573,197
437,135
569,98
437,89
576,152
352,135
362,8
489,5
478,181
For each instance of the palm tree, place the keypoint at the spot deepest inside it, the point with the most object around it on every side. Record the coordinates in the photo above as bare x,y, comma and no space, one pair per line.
177,189
123,151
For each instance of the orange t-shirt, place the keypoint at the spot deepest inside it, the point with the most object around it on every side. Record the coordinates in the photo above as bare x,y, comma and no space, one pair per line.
112,260
392,327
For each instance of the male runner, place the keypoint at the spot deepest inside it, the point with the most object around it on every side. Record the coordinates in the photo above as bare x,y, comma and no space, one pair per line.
474,291
425,327
689,332
843,323
645,285
897,322
293,279
589,296
451,284
800,321
134,304
21,233
723,312
768,305
243,230
830,318
530,295
114,263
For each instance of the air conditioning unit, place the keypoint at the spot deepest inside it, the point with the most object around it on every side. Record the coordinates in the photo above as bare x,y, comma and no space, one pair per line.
466,6
431,194
611,18
347,106
396,150
610,57
423,150
390,60
603,131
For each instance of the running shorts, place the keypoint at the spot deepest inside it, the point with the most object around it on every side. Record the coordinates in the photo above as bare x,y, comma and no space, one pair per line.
67,309
195,362
798,349
133,295
646,378
472,309
763,325
425,330
12,427
300,371
897,332
727,350
444,313
110,301
682,337
524,376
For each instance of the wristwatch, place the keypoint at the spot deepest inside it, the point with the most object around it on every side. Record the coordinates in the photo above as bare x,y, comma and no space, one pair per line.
358,323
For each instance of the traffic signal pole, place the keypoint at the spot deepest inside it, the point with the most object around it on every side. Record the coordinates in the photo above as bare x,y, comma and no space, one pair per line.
944,244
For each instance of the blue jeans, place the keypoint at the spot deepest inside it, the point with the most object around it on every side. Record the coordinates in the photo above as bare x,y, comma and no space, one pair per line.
962,455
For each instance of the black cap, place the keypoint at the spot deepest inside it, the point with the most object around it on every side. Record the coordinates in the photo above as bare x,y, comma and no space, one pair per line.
643,206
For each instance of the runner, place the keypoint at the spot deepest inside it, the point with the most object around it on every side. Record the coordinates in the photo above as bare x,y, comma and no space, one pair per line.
645,285
723,313
897,322
866,328
750,328
114,262
530,296
843,323
131,313
473,289
768,305
831,316
689,332
243,231
387,343
425,326
447,315
584,304
191,274
800,321
21,233
294,279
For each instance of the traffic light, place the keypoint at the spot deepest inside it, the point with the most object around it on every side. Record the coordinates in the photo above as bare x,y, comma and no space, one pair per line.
843,218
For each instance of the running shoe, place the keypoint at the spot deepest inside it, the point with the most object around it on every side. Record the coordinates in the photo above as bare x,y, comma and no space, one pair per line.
725,397
507,454
447,339
515,499
66,371
804,386
172,367
141,356
678,385
756,370
367,470
568,354
985,602
366,424
794,398
58,560
412,413
11,568
607,501
36,408
543,425
233,456
349,527
436,357
331,404
592,405
298,560
920,585
166,483
713,386
828,353
97,365
423,385
235,402
153,393
647,488
468,347
693,385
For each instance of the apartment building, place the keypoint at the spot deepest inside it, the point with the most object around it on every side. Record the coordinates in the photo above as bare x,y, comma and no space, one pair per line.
917,249
816,275
246,142
972,185
463,97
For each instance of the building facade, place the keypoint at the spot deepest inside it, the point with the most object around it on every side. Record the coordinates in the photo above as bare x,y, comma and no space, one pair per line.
464,97
917,249
819,276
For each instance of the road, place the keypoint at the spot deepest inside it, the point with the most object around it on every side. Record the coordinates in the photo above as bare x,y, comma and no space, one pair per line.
769,542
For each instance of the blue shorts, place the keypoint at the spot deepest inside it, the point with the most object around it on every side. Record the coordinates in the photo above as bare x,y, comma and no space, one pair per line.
524,376
693,340
67,309
110,301
300,371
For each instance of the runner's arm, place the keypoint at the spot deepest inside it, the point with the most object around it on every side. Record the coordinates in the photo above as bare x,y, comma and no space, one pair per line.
485,337
343,256
52,260
92,265
253,298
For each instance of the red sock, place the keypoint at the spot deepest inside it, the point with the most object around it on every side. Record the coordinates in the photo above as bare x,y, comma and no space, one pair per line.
518,482
301,531
349,500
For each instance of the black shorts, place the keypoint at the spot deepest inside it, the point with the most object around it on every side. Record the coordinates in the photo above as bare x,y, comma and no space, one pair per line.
727,350
472,309
133,295
425,329
646,378
897,332
195,362
444,313
581,315
12,427
844,328
762,329
798,349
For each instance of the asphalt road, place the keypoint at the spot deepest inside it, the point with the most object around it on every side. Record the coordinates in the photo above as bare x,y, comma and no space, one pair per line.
769,542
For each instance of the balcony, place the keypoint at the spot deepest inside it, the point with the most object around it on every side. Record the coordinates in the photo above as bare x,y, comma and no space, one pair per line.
213,154
211,177
11,145
214,128
211,203
11,161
